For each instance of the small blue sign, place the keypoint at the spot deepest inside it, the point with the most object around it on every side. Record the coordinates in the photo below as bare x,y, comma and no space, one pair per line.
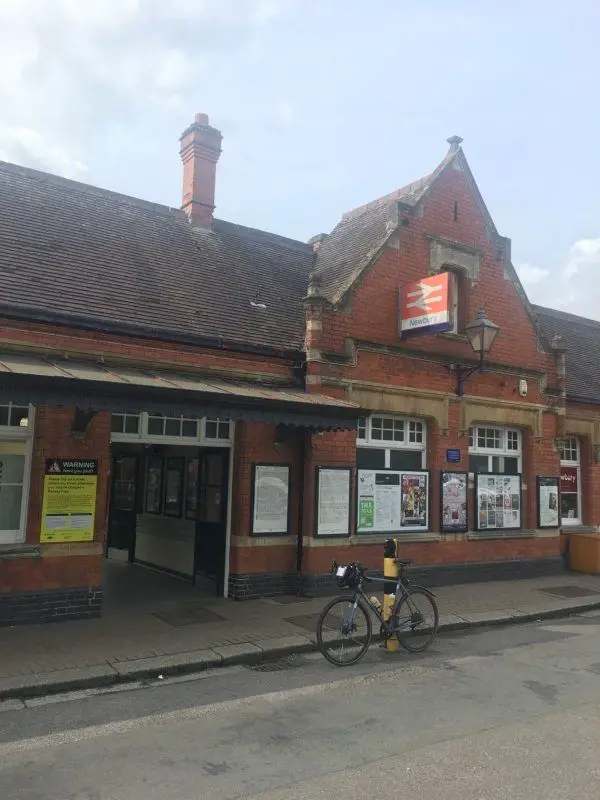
453,456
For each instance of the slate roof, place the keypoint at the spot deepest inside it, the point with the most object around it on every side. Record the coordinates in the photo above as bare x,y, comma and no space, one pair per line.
361,233
581,338
75,253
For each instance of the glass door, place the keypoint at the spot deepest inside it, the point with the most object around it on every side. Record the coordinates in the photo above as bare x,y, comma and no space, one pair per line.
211,525
123,507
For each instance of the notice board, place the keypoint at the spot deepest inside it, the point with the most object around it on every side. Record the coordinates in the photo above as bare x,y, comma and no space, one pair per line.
69,504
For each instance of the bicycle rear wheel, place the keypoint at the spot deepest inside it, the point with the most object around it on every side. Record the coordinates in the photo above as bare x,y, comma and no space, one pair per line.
344,631
418,621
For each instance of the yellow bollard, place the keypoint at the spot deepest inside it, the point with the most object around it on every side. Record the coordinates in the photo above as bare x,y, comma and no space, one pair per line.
390,574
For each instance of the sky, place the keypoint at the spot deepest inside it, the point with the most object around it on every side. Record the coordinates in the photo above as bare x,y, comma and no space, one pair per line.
324,105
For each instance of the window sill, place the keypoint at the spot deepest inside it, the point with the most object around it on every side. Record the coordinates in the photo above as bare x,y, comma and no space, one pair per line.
381,538
8,551
578,529
508,534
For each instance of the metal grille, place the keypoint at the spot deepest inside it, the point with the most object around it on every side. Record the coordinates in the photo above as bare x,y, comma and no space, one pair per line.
569,590
289,662
192,613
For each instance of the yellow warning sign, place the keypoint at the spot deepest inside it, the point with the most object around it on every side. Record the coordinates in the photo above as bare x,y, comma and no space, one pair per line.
69,504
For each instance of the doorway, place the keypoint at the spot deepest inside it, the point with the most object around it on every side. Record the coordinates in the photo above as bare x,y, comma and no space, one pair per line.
211,525
169,511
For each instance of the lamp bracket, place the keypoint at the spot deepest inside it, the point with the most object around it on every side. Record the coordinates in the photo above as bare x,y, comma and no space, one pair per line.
463,372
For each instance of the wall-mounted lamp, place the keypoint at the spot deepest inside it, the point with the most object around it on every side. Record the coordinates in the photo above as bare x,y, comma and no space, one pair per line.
481,334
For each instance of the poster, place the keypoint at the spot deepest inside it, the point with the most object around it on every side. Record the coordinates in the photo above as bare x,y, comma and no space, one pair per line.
392,501
453,499
498,499
271,499
548,505
414,500
333,508
69,502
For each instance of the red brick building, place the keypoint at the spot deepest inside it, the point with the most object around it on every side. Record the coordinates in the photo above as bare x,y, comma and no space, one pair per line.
239,408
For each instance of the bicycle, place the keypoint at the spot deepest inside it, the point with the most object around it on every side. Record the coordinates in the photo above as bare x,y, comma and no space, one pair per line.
413,631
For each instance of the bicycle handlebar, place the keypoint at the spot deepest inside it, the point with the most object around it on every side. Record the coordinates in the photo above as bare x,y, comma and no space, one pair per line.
359,567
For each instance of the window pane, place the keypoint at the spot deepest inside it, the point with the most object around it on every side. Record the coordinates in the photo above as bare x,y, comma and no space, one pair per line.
571,451
471,437
154,485
211,429
12,469
406,459
388,430
415,432
512,440
132,424
191,492
189,428
123,498
117,423
224,429
4,415
376,428
370,458
155,426
174,487
511,465
361,432
479,464
569,506
213,504
10,507
19,417
213,470
173,427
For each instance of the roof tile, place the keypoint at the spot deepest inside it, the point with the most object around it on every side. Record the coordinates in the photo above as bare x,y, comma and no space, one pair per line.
77,251
581,339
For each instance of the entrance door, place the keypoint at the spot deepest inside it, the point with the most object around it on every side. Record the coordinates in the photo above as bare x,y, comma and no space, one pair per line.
123,508
211,526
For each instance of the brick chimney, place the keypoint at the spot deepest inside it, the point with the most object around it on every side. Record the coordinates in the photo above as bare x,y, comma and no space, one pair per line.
200,151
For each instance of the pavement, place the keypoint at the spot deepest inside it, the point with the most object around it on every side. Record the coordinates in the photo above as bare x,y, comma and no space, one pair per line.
156,626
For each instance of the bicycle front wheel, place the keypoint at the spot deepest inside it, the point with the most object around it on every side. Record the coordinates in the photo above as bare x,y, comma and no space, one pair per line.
344,631
418,620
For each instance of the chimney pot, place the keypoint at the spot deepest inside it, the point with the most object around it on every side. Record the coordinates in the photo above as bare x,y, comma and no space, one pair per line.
200,151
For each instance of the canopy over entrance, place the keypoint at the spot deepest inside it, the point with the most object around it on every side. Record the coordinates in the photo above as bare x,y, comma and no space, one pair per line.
100,387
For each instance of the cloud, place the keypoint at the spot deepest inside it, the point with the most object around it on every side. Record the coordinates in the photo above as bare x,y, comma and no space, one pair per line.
31,146
72,72
573,285
584,256
530,274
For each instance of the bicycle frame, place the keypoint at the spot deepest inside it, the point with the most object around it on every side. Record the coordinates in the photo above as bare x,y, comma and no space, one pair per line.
402,591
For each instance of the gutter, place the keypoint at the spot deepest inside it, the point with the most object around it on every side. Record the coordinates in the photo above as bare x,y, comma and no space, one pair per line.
143,332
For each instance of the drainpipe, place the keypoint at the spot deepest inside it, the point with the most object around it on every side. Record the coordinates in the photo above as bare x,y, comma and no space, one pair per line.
303,436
